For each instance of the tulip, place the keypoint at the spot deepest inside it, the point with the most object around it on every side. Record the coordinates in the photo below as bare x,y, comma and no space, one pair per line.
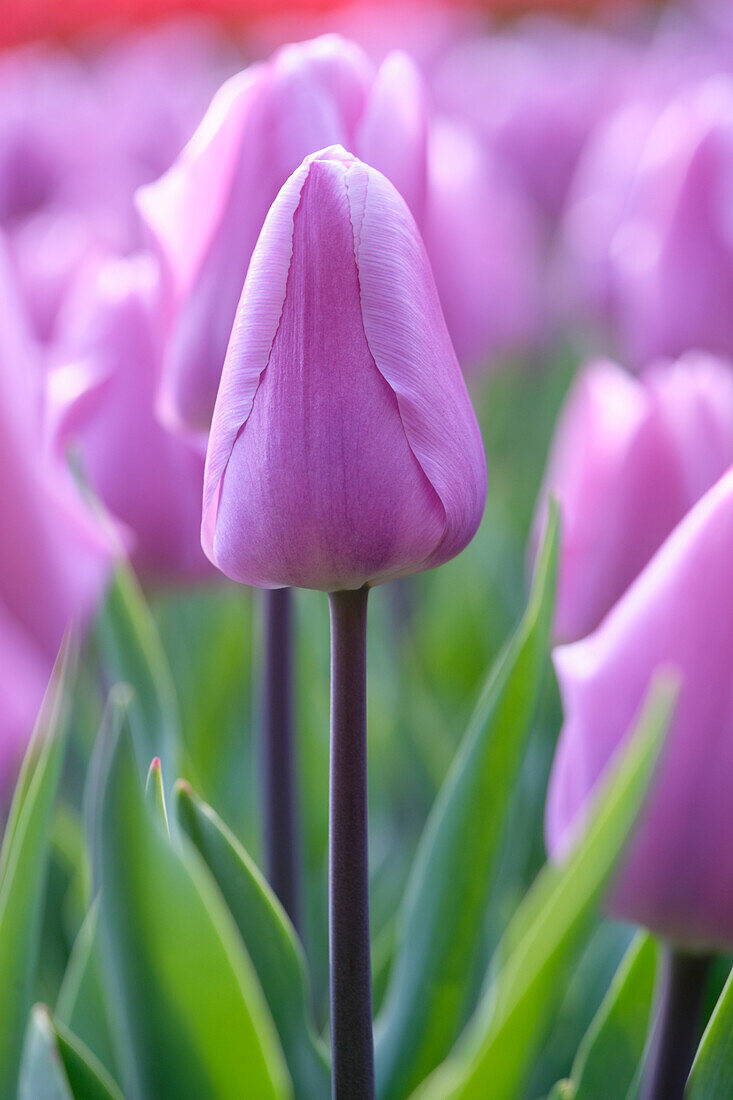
535,94
102,386
674,878
630,458
646,225
676,873
343,452
360,459
206,213
54,556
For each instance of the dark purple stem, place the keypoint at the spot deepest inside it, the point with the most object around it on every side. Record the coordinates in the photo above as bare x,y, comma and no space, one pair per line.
676,1026
277,752
352,1044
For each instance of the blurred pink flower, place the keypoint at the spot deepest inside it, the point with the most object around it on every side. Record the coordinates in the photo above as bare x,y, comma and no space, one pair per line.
80,132
344,449
55,554
101,391
676,876
206,213
647,243
630,457
535,93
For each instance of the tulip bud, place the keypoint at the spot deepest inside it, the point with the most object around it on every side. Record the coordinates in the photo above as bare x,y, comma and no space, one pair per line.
677,871
102,390
54,555
647,226
630,458
206,213
534,93
344,449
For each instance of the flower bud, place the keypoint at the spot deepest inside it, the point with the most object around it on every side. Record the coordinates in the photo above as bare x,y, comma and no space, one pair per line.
344,449
646,227
54,555
206,213
102,390
630,458
676,875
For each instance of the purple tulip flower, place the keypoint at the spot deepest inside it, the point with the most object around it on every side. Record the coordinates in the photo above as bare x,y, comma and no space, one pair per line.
54,554
344,449
102,386
676,876
630,458
646,242
206,213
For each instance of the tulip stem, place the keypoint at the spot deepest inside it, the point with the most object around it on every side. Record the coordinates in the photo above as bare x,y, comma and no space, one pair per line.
352,1044
277,752
674,1039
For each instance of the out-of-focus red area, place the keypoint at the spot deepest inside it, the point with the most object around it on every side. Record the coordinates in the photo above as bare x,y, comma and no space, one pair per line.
24,20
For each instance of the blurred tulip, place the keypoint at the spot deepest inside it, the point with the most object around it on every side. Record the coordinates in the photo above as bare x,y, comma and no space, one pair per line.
205,214
647,227
54,554
344,449
101,387
630,458
535,93
207,211
677,873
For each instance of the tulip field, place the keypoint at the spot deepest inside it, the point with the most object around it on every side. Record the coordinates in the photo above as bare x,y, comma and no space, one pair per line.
366,587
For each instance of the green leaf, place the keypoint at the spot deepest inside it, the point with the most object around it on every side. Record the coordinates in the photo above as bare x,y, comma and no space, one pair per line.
57,1066
442,917
155,794
495,1053
189,1012
133,654
563,1090
42,1076
270,939
81,1004
23,869
712,1070
611,1052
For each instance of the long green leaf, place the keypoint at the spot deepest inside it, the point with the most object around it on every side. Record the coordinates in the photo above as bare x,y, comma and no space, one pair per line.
613,1048
496,1051
712,1070
189,1012
23,869
133,654
443,912
270,939
81,1005
57,1066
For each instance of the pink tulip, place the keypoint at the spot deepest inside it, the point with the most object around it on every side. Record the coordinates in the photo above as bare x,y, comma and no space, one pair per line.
646,228
677,872
344,450
206,213
534,93
630,458
102,387
54,555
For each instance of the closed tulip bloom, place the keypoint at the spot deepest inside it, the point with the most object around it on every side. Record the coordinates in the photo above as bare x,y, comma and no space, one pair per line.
676,876
206,213
344,449
54,554
102,388
664,251
535,94
630,457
